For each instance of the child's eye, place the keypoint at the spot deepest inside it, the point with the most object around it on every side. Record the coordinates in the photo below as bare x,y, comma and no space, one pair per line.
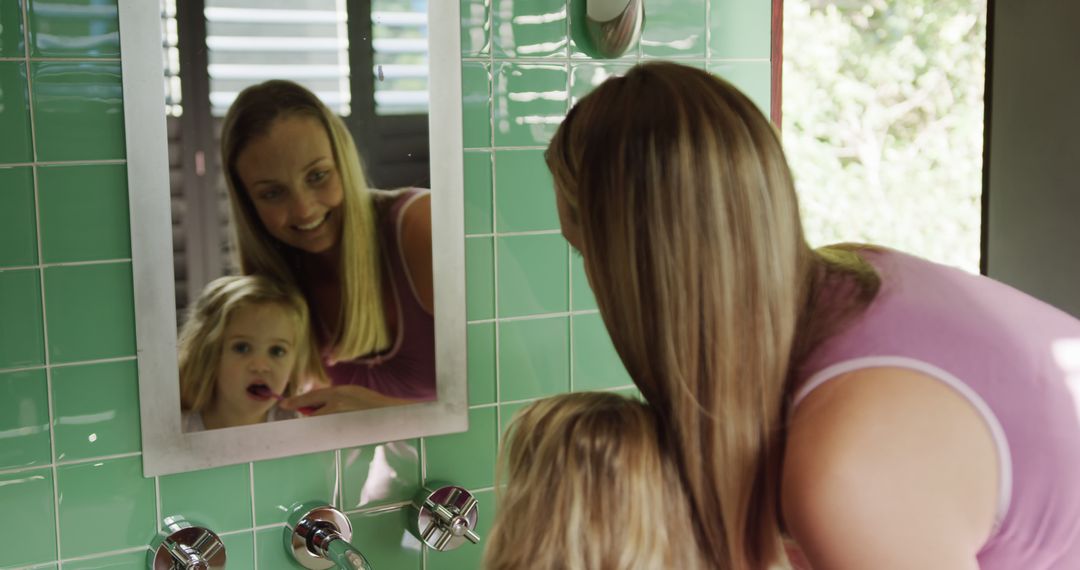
241,347
278,351
318,176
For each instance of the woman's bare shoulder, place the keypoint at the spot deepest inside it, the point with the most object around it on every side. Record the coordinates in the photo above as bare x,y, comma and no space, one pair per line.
889,464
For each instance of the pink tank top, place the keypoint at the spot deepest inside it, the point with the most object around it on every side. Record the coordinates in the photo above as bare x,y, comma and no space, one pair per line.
407,370
1016,359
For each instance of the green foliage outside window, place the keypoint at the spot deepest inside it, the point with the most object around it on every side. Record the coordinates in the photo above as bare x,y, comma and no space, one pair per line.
883,122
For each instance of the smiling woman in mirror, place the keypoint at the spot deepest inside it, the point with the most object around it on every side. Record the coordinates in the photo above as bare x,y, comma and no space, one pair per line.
304,216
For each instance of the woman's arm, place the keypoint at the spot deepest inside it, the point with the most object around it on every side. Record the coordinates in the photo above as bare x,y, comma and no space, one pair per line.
416,249
345,398
888,468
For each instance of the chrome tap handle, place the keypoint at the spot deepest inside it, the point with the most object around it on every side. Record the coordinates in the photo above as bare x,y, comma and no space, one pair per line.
444,517
317,536
183,546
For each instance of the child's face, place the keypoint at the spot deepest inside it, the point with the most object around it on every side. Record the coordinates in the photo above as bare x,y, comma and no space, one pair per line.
292,179
259,349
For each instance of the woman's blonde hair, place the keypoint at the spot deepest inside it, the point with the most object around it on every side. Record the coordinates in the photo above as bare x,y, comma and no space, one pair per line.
692,242
585,483
201,338
361,326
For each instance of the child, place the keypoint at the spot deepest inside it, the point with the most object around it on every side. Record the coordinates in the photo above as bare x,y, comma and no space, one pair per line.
589,484
245,346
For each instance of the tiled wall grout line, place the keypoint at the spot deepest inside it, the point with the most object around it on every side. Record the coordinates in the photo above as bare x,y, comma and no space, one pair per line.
41,277
539,316
66,162
98,459
494,225
68,364
97,555
708,33
254,534
516,234
63,59
157,503
339,482
43,265
569,257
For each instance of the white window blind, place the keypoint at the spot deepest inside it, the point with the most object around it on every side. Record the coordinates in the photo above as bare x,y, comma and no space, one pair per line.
400,44
251,41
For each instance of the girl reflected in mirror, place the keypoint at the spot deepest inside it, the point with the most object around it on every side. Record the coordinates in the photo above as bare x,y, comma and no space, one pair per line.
303,213
245,345
586,481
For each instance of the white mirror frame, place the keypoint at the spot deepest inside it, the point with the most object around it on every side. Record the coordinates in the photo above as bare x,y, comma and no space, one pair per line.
165,449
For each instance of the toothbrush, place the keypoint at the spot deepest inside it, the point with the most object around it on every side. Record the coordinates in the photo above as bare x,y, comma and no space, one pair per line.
266,392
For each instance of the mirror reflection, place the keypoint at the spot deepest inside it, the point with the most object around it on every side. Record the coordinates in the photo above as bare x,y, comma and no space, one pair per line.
303,288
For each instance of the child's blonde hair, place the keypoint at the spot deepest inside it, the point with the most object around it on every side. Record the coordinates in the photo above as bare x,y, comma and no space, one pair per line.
201,338
361,325
589,484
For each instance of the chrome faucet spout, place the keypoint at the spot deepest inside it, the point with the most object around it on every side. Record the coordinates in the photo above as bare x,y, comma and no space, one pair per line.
318,538
345,556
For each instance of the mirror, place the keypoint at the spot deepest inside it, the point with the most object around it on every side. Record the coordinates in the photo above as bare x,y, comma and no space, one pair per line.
291,192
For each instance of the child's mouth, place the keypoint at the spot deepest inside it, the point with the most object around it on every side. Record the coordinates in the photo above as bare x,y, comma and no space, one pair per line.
262,392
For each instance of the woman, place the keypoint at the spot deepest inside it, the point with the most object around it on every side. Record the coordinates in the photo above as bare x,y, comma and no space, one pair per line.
881,410
302,211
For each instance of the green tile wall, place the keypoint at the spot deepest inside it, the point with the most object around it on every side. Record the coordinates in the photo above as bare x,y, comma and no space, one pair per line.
70,458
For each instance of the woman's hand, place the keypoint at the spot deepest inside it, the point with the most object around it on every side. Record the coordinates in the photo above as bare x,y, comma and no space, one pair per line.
336,399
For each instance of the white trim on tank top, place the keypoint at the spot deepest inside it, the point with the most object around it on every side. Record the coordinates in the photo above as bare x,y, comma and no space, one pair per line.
988,416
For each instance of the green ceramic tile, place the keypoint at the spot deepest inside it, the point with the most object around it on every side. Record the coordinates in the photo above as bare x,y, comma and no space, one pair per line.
524,194
126,561
29,494
466,459
479,278
476,104
530,102
584,77
478,193
596,363
90,312
74,28
507,414
740,29
534,358
240,550
584,299
532,276
674,29
219,499
78,110
12,42
84,212
377,475
270,551
24,423
481,359
14,113
475,28
385,541
468,555
21,334
18,236
536,28
754,78
281,484
113,498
